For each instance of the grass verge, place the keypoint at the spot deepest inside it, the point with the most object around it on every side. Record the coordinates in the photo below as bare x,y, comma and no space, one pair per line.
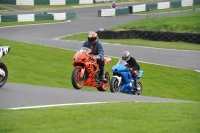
46,66
188,22
3,10
180,23
140,42
170,9
107,118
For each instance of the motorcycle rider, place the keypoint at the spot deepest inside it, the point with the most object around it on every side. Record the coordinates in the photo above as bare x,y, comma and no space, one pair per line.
114,5
97,49
131,63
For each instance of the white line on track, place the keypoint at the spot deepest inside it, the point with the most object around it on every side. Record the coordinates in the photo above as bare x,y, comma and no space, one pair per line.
55,105
197,71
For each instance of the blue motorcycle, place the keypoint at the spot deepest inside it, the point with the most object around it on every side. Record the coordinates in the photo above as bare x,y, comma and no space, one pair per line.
122,80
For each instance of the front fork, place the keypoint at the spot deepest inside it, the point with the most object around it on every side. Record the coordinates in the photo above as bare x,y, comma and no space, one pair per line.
2,72
119,80
82,71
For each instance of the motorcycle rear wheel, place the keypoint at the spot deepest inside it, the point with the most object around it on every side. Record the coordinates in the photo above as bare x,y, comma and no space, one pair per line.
77,81
105,86
138,92
3,79
114,88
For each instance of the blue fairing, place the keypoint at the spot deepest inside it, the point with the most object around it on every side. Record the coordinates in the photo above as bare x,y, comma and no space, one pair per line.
140,74
121,70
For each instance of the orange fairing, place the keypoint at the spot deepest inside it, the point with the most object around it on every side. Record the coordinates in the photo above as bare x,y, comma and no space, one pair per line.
107,60
87,66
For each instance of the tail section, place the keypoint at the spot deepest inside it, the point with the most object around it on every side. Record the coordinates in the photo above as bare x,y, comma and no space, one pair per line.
140,74
4,50
107,60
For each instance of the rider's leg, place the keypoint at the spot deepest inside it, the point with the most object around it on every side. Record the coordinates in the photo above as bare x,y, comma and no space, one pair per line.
101,67
134,75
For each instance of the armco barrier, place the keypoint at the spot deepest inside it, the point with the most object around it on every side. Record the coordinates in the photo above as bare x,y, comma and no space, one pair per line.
9,18
8,2
149,7
151,35
40,2
122,11
46,2
196,2
38,16
139,8
71,15
175,4
43,17
72,2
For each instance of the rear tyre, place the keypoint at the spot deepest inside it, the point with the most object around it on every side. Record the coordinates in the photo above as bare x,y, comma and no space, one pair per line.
139,91
105,85
3,78
77,81
114,88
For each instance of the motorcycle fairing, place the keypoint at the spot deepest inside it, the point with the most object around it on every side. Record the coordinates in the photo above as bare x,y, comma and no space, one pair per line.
126,81
140,74
4,50
107,60
82,59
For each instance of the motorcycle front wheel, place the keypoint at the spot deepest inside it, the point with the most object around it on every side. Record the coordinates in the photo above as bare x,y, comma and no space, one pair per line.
77,81
4,75
114,88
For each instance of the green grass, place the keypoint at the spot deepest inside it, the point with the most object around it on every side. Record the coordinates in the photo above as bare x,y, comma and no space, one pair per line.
105,118
140,42
39,65
189,22
47,66
3,9
2,24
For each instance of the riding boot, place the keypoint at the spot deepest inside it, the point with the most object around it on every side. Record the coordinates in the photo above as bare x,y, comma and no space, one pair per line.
136,84
103,78
102,74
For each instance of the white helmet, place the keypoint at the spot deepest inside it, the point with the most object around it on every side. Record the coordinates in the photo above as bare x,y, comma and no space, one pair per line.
126,56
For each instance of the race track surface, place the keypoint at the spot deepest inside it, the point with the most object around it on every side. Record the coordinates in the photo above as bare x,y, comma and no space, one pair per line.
17,95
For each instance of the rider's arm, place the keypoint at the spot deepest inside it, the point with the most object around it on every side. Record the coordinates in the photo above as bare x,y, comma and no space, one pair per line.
100,49
85,44
133,63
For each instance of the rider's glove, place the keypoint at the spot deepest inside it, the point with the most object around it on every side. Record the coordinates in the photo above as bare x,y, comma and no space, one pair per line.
127,65
96,57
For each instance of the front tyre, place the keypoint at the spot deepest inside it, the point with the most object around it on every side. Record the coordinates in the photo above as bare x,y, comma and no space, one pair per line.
114,88
77,81
139,90
105,85
3,74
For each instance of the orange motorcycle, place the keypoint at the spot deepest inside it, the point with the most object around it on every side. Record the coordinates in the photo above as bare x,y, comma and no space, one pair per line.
86,71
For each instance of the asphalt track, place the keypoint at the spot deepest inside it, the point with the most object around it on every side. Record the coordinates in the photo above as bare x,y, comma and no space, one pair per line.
20,96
